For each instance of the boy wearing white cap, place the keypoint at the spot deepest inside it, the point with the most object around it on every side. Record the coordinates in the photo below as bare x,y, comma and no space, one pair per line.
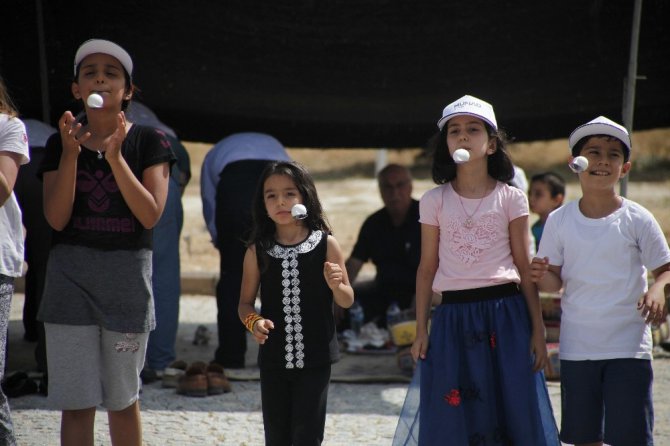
599,249
105,184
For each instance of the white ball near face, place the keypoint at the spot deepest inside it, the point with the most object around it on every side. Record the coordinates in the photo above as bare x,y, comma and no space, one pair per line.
579,164
94,101
299,211
461,156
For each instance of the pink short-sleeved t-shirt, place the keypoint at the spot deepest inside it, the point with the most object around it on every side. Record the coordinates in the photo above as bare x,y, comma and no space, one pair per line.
476,253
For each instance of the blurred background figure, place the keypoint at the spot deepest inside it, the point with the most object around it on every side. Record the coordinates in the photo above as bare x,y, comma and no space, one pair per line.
28,190
228,180
391,239
13,153
520,180
546,193
166,278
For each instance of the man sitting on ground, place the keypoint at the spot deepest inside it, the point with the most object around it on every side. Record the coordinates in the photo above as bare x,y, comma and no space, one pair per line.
391,239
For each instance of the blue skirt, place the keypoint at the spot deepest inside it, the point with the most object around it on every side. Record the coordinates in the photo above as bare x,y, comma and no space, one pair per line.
476,385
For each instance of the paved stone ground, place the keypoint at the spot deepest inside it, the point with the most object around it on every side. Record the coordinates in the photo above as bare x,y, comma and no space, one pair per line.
358,414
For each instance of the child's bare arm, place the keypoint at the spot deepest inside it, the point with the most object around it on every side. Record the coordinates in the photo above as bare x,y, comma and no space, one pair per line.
425,274
251,278
146,197
546,276
519,242
59,185
336,274
653,303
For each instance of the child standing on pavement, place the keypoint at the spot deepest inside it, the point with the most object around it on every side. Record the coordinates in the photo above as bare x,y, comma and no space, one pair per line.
480,368
545,194
300,270
599,249
105,186
13,153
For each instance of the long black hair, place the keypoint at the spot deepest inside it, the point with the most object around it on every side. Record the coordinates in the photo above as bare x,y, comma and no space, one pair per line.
263,228
499,163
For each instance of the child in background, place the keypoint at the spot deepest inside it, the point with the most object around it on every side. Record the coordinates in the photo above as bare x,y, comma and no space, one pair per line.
546,193
105,186
13,153
300,270
480,369
599,249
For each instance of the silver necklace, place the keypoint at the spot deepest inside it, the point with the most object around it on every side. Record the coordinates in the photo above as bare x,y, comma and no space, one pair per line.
100,155
468,222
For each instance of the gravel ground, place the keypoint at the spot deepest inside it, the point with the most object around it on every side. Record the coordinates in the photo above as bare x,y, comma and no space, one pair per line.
358,414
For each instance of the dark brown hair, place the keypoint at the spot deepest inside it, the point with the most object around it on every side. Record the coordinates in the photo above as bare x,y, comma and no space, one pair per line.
263,228
499,163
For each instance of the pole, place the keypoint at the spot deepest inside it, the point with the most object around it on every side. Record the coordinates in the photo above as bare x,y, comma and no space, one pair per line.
631,79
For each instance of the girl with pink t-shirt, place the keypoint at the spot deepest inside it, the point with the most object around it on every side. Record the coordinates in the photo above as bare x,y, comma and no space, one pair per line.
479,368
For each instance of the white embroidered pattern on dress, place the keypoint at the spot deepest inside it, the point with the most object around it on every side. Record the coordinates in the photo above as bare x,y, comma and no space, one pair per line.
469,243
291,282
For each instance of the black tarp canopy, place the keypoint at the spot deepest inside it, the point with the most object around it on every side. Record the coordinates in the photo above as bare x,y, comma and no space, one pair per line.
358,73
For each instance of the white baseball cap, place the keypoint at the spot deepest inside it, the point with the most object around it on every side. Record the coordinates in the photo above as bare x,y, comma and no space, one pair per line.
470,106
600,126
94,46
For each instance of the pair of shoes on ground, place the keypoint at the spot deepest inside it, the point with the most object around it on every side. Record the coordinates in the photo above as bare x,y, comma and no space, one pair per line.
201,380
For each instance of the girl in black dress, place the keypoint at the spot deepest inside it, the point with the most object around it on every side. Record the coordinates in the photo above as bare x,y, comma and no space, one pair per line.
299,267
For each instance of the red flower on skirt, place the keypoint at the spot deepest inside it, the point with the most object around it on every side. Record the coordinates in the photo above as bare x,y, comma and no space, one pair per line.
492,340
453,397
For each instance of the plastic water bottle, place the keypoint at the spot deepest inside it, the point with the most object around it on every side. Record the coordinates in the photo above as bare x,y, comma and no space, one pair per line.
356,317
392,314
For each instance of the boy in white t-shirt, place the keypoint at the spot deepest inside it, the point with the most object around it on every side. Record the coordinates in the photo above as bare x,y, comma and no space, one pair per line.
599,248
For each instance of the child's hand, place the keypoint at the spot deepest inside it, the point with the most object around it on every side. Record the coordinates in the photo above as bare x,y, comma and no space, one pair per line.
112,143
652,306
262,330
538,347
333,274
419,346
69,129
538,268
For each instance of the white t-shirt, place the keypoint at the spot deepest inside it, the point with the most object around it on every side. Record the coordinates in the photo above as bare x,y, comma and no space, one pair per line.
13,138
479,254
604,270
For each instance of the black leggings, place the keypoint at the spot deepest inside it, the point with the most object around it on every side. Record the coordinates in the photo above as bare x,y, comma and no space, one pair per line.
294,405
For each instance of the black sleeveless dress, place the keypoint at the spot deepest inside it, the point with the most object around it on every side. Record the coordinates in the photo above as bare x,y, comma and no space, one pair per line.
296,297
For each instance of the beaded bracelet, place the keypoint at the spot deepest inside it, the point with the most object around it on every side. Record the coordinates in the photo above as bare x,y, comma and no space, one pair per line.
251,319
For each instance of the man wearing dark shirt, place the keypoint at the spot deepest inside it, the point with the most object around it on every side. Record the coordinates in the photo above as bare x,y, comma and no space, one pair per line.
391,239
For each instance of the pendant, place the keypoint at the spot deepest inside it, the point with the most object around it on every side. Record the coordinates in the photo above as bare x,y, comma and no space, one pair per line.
467,223
100,155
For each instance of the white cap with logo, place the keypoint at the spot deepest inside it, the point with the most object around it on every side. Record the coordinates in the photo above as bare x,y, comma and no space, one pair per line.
470,106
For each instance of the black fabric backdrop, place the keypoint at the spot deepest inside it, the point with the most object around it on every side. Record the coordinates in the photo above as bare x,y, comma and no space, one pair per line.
357,73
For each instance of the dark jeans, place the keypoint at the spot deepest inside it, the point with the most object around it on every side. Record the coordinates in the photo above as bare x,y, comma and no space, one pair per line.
234,196
37,259
166,281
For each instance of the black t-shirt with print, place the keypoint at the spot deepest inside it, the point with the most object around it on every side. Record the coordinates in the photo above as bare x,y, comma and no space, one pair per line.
101,218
